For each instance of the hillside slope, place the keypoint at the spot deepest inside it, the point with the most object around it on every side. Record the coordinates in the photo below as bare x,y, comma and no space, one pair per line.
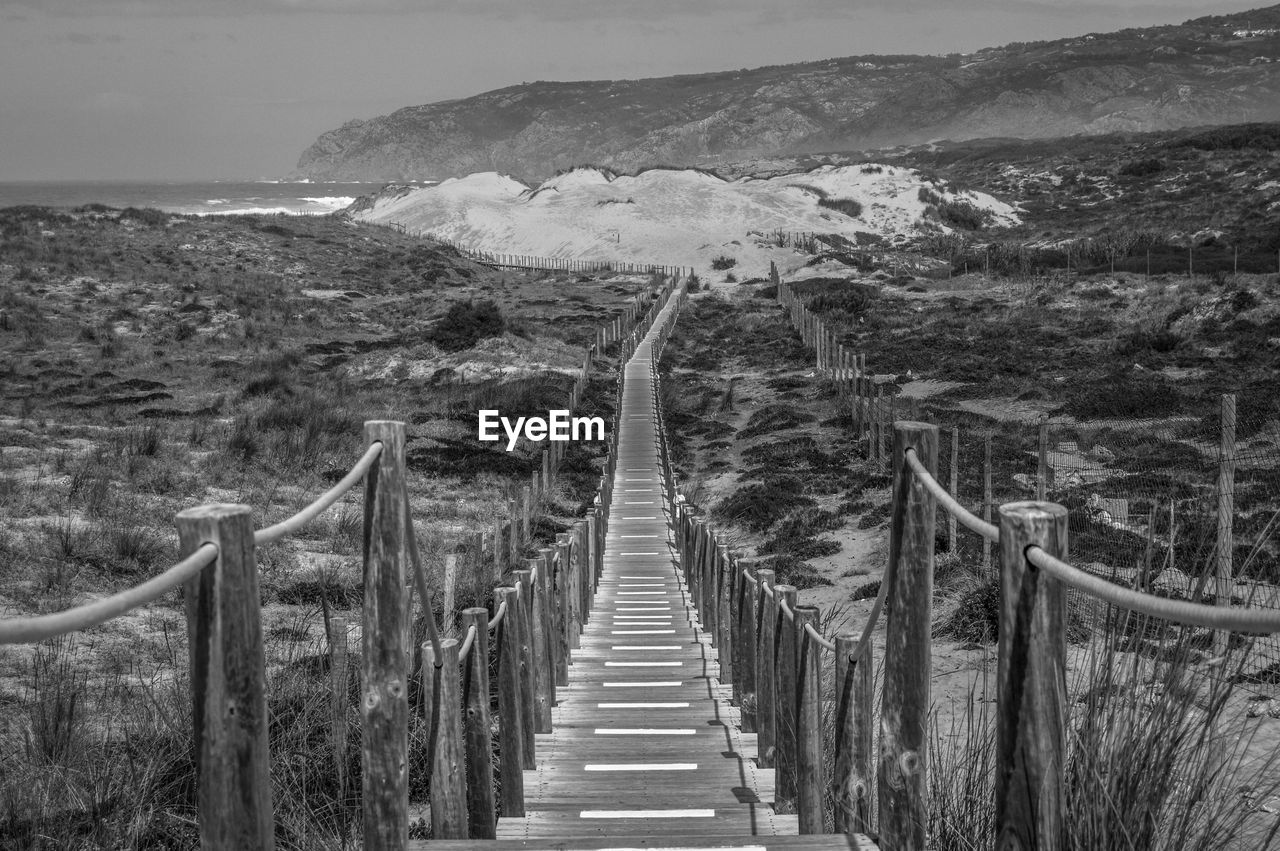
1196,73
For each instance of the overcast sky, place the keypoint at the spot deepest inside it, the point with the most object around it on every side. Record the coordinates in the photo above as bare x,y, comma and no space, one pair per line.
197,89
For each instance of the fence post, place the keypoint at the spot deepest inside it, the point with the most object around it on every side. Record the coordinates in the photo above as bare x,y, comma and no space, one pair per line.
953,540
875,443
475,691
339,700
444,721
1032,683
385,645
540,640
707,591
744,643
724,598
510,706
1226,512
1042,463
986,503
855,688
785,698
228,681
528,666
809,782
497,548
766,685
450,604
904,717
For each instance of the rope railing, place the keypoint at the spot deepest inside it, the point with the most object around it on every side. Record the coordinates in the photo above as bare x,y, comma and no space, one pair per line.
420,583
36,628
218,572
279,530
467,643
1226,618
949,503
761,634
498,616
821,641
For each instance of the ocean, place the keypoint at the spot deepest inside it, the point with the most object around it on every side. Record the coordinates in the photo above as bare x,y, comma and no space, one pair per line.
212,198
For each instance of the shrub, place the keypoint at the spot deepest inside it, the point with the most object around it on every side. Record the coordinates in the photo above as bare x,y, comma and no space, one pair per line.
790,570
773,418
723,262
757,506
147,215
848,206
467,323
1142,167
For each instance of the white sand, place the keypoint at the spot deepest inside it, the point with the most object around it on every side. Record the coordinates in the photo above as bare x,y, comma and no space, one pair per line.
676,217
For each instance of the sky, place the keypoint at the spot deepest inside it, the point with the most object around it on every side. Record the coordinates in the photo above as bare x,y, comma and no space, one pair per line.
225,89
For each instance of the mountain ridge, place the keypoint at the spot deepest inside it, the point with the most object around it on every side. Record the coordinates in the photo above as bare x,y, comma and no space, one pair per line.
1201,72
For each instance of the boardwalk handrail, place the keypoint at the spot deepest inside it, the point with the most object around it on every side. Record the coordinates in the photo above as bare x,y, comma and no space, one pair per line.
36,628
287,527
1031,538
218,570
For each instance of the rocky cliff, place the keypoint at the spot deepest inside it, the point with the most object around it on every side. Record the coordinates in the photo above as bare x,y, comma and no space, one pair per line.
1207,71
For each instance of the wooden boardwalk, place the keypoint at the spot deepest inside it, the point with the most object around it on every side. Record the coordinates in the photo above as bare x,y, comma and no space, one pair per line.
645,742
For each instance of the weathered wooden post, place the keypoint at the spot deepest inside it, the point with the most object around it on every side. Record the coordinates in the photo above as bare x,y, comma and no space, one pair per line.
873,447
766,684
724,599
339,700
744,644
565,603
443,712
785,698
953,539
498,545
481,822
1042,463
228,681
510,705
528,665
904,759
540,641
385,644
1226,513
449,627
810,787
1032,683
986,503
855,688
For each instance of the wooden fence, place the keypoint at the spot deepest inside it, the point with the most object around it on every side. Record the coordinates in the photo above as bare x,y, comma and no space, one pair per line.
772,653
535,625
553,264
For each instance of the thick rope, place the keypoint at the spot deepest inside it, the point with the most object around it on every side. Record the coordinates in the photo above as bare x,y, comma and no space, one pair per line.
1181,611
29,630
785,609
326,499
969,520
466,643
498,615
818,639
420,580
